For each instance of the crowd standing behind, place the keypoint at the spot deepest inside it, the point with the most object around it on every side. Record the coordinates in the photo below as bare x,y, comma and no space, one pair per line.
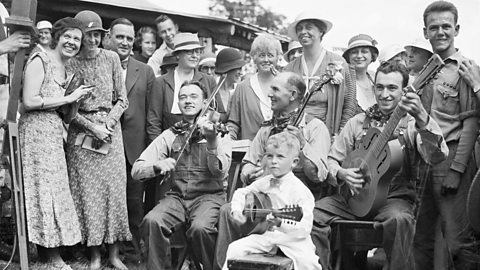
105,184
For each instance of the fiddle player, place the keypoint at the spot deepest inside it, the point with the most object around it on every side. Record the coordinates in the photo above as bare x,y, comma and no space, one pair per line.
283,188
197,182
423,142
286,93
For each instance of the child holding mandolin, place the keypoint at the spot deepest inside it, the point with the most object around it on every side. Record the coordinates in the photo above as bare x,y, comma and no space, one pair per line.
282,188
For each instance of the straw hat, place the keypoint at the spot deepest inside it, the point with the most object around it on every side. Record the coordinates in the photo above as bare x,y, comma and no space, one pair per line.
420,43
389,52
186,42
307,15
90,20
228,59
361,40
292,45
44,25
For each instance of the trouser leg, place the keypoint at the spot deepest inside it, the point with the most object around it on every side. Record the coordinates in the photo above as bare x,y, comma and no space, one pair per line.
135,212
156,229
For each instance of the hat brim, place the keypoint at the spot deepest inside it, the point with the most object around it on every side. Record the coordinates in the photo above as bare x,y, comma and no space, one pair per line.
292,32
87,29
418,47
346,52
231,66
188,47
285,55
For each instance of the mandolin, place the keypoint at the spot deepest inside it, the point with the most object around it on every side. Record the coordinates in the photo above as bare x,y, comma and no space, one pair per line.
378,159
258,206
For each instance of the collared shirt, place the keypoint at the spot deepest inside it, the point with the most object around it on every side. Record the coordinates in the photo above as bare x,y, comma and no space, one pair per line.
446,100
176,89
291,191
427,141
161,148
316,147
156,59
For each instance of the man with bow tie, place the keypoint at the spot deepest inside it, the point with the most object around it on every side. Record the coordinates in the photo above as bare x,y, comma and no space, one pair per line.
287,91
139,81
423,144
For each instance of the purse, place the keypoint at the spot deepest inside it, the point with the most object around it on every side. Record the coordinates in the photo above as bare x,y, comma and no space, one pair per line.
90,142
69,111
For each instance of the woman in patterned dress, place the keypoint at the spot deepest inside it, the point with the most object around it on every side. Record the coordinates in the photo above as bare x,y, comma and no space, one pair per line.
51,216
98,180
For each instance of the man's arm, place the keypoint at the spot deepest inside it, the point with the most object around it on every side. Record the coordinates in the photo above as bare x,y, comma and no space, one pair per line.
252,159
219,155
154,159
155,61
428,141
14,42
152,85
470,72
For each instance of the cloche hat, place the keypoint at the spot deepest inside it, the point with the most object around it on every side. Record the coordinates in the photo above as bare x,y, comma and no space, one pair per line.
90,20
420,43
44,25
228,59
361,40
207,58
292,45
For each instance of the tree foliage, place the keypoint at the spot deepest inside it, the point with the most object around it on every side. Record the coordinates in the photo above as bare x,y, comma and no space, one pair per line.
250,11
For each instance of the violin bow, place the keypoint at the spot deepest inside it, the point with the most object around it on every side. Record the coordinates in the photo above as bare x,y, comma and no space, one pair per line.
204,110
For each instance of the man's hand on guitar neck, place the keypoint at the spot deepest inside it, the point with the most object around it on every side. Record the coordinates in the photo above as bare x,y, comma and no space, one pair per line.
353,177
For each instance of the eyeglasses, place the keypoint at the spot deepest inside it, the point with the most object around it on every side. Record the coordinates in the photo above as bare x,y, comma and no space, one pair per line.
207,68
197,51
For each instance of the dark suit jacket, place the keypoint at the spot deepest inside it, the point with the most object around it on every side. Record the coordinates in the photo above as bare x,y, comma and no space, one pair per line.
159,115
140,82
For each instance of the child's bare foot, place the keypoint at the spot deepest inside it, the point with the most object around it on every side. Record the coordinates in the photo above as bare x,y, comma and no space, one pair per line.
117,263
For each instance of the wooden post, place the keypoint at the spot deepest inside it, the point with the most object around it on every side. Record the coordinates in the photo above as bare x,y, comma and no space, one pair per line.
22,18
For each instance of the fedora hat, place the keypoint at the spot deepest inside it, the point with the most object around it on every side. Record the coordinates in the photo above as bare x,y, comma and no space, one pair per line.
228,59
169,59
292,45
361,40
307,15
90,20
420,43
186,42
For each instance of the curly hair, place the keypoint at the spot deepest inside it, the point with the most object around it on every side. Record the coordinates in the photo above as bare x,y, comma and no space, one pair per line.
63,25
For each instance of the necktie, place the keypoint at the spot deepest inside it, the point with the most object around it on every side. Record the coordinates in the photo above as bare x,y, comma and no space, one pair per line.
274,182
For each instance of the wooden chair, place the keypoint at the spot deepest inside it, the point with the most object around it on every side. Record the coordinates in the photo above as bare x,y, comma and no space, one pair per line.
354,236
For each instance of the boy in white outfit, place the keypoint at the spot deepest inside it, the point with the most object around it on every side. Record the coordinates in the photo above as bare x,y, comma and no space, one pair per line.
284,189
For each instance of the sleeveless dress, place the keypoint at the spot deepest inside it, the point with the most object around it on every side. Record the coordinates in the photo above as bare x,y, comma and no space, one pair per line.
51,217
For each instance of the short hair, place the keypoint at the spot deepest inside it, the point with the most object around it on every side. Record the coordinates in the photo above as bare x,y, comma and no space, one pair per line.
265,41
296,81
144,30
163,18
63,25
440,6
389,67
121,21
197,83
284,139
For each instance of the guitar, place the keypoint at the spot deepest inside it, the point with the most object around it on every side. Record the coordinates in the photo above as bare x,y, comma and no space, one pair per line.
380,160
258,205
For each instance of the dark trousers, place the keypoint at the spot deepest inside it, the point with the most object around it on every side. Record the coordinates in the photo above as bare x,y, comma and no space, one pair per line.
450,210
201,215
396,218
135,190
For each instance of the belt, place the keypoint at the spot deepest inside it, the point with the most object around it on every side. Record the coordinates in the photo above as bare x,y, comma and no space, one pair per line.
4,79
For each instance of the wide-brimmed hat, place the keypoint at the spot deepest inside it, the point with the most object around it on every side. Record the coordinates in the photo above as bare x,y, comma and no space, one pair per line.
44,25
361,40
307,15
207,58
186,42
292,45
420,43
90,20
389,52
228,59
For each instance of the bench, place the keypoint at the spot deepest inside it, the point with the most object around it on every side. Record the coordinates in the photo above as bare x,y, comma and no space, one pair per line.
260,261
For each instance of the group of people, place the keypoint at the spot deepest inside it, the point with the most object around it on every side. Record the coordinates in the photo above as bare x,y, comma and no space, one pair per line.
139,164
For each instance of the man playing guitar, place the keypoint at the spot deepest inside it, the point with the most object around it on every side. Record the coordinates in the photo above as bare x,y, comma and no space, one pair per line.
423,142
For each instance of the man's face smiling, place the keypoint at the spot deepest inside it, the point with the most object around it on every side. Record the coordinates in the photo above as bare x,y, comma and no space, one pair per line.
167,31
388,91
441,31
279,94
190,100
122,38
